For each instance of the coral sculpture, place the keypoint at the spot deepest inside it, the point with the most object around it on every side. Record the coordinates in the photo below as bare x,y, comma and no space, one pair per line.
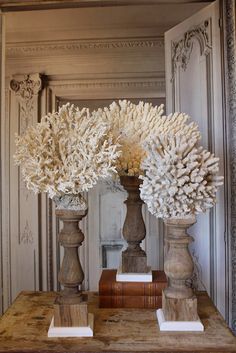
65,154
180,177
134,123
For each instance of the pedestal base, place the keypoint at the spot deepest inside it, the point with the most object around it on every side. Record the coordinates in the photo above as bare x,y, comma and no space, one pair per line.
177,325
134,277
82,331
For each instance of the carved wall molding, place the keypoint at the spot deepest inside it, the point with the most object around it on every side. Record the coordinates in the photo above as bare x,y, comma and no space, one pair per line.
158,84
16,50
154,87
230,78
26,88
26,236
181,50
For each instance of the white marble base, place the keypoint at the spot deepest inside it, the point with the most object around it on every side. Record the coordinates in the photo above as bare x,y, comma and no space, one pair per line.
72,331
134,277
177,325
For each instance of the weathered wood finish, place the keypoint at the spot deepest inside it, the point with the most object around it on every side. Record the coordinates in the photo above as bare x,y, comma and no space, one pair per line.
180,309
70,308
179,301
134,259
178,265
24,329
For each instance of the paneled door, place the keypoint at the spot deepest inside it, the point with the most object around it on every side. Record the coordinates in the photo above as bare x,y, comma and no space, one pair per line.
193,86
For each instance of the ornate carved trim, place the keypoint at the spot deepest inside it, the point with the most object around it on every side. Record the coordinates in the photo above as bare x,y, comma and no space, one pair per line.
26,236
112,84
26,89
66,88
17,50
181,50
230,76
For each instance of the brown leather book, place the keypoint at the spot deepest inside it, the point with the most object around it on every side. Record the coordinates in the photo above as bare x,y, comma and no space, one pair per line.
135,302
109,287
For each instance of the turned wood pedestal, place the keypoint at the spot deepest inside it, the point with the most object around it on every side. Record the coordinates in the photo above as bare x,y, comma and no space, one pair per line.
134,258
70,307
179,302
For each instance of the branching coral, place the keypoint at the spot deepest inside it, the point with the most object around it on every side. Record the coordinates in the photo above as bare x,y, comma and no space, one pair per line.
134,123
66,153
180,177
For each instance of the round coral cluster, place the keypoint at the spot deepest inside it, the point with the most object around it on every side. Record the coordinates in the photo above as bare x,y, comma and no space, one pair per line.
180,177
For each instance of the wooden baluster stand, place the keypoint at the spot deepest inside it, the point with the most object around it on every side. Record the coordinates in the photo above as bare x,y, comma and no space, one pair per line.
134,258
71,308
179,303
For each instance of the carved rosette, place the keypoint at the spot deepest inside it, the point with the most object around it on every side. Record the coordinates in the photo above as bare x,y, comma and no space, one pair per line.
181,50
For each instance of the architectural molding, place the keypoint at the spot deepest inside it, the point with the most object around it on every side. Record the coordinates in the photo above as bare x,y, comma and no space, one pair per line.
182,49
68,47
230,118
110,88
26,236
26,88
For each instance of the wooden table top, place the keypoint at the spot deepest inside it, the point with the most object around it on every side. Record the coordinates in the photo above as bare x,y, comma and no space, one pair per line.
23,328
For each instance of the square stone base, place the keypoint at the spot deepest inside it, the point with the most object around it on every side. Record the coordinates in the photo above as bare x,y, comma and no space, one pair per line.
165,325
134,277
82,331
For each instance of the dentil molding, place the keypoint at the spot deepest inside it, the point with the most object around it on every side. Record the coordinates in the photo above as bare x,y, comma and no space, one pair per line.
51,48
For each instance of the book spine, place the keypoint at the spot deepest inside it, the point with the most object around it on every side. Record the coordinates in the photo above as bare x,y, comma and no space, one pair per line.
128,302
125,289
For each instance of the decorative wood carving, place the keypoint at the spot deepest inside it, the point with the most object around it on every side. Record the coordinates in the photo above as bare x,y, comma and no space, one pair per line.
70,308
134,259
181,50
27,236
26,89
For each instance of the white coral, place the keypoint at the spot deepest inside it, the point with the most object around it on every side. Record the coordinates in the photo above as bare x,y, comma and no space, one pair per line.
66,153
134,123
180,177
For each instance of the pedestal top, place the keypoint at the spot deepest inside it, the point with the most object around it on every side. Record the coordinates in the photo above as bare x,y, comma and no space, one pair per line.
23,328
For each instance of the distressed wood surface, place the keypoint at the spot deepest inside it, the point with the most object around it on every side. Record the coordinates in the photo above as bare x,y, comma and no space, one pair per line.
70,308
24,329
134,258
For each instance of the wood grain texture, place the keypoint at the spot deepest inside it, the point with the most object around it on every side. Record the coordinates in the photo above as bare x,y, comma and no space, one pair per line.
70,315
180,309
24,329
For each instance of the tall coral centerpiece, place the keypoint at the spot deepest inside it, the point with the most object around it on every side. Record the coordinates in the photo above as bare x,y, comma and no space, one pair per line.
180,181
64,155
133,124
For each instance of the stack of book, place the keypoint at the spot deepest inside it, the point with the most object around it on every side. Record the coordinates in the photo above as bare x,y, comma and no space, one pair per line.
146,295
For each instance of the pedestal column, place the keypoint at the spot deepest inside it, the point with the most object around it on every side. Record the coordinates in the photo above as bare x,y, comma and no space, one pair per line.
71,308
134,258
